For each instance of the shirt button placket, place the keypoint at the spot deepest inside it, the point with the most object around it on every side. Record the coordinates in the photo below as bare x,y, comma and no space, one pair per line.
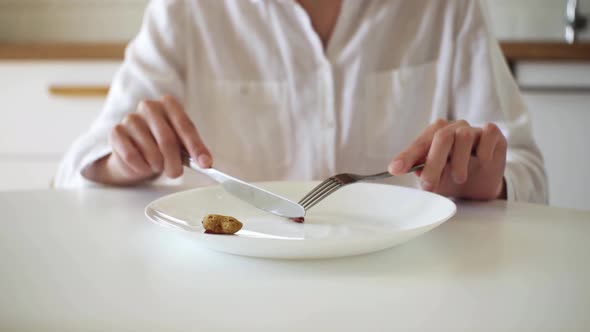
329,121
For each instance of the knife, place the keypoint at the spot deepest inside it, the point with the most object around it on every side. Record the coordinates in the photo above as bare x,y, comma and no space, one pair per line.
258,197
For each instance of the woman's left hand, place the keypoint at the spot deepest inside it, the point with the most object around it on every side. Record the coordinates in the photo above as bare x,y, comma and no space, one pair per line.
460,161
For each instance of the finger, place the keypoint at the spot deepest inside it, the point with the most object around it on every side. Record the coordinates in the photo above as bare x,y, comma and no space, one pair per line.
124,148
490,136
465,139
500,148
417,151
437,157
140,133
498,162
153,113
186,131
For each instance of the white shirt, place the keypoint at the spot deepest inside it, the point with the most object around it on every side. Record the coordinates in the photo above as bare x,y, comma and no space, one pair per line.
271,104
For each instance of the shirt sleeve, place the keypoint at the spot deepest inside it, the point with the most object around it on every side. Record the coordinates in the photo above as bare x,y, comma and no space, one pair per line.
483,90
153,66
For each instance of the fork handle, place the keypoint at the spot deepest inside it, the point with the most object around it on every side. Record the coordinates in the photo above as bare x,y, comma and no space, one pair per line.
386,175
416,168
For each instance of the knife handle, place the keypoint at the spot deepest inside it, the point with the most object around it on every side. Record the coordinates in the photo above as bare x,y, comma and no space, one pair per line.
214,174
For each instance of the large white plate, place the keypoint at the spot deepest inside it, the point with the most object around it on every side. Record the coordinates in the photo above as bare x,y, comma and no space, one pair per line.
357,219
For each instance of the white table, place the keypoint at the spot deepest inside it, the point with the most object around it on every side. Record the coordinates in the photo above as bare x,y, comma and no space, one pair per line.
90,261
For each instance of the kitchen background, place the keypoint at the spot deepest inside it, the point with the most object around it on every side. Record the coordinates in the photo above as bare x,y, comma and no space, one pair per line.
40,119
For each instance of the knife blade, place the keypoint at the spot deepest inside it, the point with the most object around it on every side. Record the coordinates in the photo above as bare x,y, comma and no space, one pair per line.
249,193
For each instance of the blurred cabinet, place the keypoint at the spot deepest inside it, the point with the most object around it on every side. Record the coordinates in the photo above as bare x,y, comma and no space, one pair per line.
555,80
22,173
37,127
560,118
560,124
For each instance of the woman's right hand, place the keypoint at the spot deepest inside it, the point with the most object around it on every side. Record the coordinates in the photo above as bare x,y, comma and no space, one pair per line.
147,143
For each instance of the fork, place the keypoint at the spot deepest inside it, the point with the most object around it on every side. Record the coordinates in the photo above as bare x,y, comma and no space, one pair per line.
333,183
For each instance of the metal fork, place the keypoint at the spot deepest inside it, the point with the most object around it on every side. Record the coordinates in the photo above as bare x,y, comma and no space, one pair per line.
333,183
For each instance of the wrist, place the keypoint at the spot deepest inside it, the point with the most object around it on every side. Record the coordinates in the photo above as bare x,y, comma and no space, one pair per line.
96,171
106,170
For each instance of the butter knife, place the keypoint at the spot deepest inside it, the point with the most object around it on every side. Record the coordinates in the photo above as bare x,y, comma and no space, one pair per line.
258,197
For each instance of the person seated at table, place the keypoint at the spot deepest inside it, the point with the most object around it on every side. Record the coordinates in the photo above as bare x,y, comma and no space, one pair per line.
300,90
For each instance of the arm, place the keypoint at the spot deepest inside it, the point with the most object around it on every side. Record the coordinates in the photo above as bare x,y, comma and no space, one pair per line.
484,90
124,146
487,150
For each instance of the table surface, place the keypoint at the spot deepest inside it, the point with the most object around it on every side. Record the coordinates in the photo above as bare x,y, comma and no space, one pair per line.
89,260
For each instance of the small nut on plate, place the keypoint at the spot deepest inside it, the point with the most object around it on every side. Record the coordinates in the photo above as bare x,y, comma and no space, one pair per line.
218,224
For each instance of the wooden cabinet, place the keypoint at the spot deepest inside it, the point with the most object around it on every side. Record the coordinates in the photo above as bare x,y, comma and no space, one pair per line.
26,172
37,127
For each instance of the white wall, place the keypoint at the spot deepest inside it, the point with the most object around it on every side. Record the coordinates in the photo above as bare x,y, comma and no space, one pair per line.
69,20
532,19
100,20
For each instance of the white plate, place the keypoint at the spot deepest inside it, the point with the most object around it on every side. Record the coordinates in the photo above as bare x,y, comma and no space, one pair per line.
357,219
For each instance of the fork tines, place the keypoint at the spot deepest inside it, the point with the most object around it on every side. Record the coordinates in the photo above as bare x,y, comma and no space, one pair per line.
318,193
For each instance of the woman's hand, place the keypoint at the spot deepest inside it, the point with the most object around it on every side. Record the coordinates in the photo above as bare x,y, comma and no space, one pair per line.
147,143
460,161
